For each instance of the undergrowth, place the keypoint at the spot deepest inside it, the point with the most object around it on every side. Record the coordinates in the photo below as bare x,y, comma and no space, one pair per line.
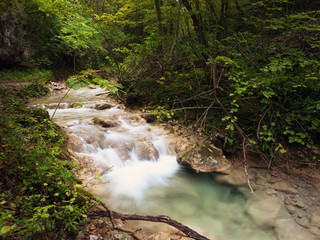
40,197
29,75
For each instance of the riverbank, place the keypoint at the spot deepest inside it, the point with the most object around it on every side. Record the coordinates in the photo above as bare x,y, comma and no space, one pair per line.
283,201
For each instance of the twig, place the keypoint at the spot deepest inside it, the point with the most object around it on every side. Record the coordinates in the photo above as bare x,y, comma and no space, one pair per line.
259,124
245,165
60,102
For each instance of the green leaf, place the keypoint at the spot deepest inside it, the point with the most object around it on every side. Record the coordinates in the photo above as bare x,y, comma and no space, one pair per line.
4,230
76,86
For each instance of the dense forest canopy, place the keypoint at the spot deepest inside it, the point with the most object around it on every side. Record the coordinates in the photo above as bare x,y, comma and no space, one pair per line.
246,69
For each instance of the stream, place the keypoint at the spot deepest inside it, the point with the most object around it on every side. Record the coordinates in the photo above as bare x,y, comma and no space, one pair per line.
139,173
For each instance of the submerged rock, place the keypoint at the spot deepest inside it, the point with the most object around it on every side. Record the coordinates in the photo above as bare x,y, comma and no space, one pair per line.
203,157
267,211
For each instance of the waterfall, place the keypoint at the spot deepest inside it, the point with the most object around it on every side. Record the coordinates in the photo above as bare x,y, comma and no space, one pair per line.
141,174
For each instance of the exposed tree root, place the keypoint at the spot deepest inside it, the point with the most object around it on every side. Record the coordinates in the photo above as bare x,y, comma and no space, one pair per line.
163,219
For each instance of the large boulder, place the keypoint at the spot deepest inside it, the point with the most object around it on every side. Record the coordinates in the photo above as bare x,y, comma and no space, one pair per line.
203,157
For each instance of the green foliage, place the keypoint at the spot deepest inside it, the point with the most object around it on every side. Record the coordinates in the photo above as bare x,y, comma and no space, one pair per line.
39,195
36,90
161,113
88,77
32,75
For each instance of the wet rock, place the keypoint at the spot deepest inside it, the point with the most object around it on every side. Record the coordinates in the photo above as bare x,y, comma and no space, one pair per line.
75,143
103,106
266,211
105,123
124,148
149,117
288,229
146,150
56,86
203,157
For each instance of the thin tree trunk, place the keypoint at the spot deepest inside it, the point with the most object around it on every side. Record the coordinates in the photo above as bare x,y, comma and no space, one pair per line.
177,28
196,19
160,25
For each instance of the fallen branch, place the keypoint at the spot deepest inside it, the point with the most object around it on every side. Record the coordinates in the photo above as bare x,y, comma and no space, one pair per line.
163,219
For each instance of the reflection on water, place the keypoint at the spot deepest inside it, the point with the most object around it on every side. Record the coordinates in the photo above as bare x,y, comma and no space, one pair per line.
151,182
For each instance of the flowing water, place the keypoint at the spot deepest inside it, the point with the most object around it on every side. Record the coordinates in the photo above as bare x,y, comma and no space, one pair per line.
144,176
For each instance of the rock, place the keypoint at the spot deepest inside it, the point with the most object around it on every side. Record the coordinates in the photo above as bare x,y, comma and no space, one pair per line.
315,219
271,192
236,178
76,144
146,150
11,47
56,86
105,123
93,237
266,211
103,106
284,187
291,209
149,117
121,236
301,204
301,213
289,201
315,231
160,236
304,222
288,229
203,157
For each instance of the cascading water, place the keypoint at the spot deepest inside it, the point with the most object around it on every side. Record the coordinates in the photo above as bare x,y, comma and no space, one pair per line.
143,175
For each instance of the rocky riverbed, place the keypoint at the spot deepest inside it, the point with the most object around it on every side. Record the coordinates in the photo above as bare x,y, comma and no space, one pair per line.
286,200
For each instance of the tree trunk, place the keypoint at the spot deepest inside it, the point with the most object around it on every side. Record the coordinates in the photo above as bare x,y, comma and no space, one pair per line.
177,28
160,25
196,19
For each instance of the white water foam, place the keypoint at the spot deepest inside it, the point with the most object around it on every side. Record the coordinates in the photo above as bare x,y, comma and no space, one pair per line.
133,179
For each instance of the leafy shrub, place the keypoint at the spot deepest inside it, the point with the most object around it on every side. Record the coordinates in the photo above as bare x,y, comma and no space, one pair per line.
40,197
36,90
